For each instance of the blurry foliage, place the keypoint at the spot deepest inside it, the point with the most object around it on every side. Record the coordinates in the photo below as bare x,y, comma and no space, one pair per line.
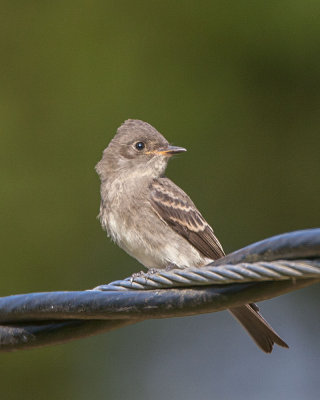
237,83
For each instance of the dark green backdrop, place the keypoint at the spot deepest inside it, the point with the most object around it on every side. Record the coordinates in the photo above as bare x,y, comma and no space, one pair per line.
237,84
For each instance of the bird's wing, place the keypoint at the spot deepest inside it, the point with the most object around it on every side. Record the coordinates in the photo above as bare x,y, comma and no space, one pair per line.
176,209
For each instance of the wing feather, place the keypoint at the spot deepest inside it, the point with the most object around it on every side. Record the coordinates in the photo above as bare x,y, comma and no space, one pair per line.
176,208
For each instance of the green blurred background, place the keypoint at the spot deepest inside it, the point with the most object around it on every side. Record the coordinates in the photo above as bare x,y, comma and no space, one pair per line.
237,84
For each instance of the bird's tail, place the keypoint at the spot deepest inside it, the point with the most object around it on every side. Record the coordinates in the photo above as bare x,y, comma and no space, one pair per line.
257,327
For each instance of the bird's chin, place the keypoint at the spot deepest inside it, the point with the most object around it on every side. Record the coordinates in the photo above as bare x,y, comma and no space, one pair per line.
158,165
133,169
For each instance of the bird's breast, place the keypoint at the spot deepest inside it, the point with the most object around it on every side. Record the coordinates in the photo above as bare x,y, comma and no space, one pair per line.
129,219
122,210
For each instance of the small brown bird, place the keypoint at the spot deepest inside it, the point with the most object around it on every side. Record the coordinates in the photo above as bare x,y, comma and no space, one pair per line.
154,220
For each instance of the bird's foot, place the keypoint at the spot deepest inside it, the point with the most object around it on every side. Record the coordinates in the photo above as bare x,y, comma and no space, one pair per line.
170,267
143,274
137,274
152,271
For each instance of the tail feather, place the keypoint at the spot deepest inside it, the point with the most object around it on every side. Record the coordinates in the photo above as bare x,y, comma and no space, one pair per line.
257,327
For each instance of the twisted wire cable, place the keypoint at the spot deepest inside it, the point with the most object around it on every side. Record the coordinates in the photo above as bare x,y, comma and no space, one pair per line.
220,275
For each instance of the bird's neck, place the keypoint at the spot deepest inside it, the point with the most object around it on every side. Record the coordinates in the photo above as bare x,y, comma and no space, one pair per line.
125,184
135,176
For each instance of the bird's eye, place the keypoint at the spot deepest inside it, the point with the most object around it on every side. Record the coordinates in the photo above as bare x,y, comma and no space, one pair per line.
139,145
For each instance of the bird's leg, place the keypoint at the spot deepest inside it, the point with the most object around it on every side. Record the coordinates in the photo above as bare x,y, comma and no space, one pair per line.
143,274
170,267
138,274
153,271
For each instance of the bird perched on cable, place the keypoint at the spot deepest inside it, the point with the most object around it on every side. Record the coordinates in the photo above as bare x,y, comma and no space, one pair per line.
154,220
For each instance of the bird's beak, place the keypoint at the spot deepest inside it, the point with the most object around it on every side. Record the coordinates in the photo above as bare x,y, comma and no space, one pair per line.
170,150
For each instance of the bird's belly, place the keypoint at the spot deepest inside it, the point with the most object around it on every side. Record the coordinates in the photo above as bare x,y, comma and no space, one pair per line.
156,247
134,240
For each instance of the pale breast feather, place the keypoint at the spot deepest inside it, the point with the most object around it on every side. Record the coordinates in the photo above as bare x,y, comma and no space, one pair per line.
176,209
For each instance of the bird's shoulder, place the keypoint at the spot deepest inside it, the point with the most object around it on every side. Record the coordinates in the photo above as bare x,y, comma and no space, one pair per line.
176,209
169,197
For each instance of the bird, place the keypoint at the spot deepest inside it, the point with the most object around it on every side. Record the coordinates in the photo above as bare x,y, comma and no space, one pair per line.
155,221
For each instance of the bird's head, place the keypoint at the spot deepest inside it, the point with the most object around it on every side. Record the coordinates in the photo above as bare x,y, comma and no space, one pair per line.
136,147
